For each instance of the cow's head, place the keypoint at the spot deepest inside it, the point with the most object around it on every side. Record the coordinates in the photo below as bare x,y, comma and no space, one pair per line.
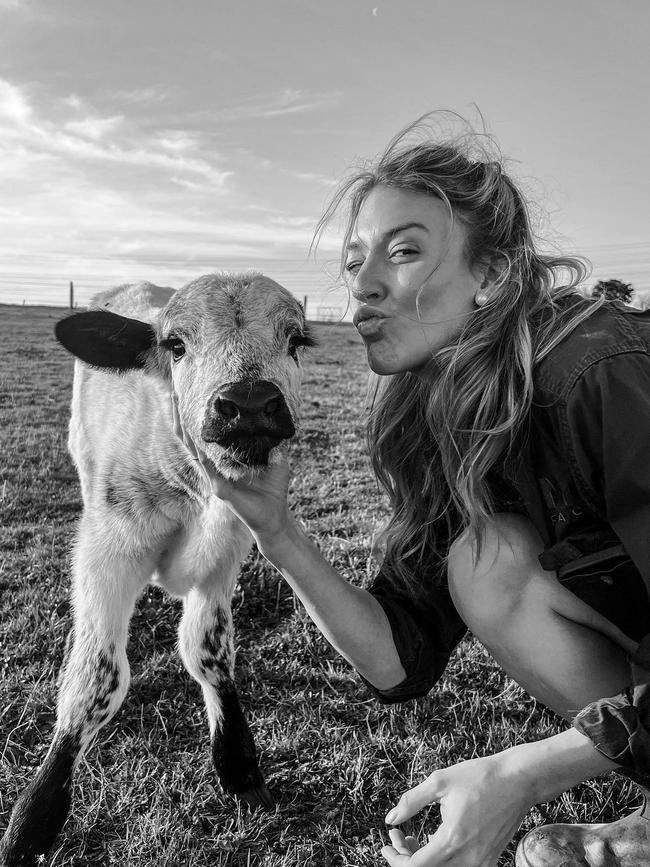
229,348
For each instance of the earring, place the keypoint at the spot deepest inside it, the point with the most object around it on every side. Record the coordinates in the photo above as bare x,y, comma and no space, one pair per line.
481,298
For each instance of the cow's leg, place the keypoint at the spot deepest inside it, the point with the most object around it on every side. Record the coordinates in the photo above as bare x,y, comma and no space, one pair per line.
207,650
92,685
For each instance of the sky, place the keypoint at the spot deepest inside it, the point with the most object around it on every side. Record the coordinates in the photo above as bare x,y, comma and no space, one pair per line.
162,140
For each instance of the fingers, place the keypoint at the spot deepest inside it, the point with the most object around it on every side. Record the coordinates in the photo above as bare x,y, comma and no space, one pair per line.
176,419
179,430
403,845
414,800
395,858
202,460
411,854
188,442
401,850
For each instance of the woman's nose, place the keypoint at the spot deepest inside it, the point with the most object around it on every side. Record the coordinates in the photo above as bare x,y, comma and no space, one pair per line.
368,283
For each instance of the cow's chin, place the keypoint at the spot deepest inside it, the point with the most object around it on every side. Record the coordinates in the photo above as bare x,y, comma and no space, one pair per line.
246,457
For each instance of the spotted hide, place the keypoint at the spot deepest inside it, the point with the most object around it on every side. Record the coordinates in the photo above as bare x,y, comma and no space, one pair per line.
227,348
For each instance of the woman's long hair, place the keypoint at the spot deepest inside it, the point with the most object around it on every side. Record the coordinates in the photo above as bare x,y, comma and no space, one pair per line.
436,440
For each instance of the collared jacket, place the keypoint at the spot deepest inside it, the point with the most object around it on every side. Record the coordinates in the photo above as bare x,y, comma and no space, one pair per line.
583,479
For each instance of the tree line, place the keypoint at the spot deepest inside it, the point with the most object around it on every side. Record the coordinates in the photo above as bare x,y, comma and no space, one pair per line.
614,290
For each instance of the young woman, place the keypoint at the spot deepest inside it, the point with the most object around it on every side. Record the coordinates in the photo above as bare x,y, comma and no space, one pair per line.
510,429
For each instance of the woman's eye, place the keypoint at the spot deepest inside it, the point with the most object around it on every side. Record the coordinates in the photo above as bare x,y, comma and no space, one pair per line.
353,266
403,252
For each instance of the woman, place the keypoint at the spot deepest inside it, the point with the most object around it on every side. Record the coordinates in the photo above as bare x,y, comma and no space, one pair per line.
509,429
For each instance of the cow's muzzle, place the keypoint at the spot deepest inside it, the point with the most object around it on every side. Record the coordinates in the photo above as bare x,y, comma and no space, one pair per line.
248,419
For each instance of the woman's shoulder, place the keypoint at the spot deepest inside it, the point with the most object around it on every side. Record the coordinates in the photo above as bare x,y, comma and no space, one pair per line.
609,331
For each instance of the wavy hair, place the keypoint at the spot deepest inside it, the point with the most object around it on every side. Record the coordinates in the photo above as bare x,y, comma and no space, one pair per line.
438,441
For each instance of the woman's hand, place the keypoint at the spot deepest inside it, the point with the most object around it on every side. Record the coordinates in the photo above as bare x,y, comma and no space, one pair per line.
259,499
481,808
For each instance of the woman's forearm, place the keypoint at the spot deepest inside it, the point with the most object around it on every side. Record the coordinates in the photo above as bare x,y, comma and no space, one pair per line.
549,767
350,618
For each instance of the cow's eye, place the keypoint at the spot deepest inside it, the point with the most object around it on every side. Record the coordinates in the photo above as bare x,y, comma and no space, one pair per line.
176,346
300,339
178,350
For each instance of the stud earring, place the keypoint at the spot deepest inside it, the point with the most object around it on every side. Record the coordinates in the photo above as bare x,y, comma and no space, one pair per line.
481,298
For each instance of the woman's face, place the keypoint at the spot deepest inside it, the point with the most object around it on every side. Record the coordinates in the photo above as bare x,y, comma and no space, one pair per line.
401,244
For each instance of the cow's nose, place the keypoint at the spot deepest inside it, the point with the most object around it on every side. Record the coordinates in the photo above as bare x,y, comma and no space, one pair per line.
249,417
248,400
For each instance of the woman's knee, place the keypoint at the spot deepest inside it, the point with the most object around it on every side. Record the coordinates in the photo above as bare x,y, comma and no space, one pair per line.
488,580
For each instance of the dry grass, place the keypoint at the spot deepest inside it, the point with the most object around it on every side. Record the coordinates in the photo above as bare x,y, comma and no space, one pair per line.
334,758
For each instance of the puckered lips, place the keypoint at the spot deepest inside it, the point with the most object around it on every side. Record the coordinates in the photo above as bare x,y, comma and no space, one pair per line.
369,320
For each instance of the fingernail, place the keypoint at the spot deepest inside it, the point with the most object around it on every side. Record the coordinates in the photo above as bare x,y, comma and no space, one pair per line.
390,818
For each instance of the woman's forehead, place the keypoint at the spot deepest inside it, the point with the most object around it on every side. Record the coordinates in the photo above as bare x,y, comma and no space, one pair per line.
387,211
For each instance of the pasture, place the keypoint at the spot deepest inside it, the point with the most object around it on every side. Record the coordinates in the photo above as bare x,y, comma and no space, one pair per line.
334,758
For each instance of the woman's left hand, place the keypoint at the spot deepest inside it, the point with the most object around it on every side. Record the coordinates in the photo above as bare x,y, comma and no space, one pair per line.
481,808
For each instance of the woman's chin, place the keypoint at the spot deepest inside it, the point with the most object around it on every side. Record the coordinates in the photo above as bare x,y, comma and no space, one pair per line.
376,362
387,363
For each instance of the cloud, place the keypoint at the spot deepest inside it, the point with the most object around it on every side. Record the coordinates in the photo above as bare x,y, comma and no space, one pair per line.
96,139
298,102
140,156
293,222
178,140
282,102
94,128
12,5
28,10
73,101
104,197
139,95
314,177
193,186
13,104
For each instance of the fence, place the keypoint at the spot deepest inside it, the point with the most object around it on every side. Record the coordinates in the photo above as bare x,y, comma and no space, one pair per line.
329,314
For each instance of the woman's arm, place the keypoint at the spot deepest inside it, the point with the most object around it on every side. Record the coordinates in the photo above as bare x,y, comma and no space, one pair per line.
607,426
350,618
551,766
483,801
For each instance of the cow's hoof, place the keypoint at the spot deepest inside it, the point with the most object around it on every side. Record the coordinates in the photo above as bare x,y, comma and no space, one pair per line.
257,797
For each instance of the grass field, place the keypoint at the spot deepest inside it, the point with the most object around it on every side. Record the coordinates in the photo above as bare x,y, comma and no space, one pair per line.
334,758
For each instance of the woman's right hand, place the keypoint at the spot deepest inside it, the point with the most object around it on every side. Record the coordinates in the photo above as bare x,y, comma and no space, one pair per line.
259,499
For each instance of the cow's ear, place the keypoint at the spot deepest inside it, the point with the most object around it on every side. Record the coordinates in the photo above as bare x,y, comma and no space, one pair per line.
106,340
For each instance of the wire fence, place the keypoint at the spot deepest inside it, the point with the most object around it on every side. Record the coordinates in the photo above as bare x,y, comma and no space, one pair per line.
42,281
29,292
45,279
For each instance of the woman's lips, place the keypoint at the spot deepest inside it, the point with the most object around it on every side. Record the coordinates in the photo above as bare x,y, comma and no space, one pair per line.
368,320
371,327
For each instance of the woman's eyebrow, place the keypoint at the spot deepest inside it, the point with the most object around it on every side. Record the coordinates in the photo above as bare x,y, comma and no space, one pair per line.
390,233
402,228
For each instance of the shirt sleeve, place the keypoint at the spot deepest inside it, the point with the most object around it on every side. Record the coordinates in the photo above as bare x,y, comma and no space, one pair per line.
608,427
425,631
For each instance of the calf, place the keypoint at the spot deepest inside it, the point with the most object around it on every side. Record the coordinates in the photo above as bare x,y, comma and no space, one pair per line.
224,350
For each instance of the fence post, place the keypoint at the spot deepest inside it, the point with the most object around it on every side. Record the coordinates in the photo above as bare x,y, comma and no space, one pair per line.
71,295
304,305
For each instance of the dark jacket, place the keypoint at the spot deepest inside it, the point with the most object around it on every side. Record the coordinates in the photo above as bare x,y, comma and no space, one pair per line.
583,479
